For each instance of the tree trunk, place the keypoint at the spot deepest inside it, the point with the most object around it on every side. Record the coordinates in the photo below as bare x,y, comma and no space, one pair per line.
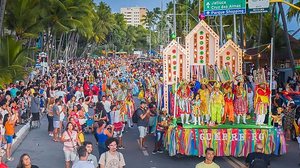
287,38
2,11
59,45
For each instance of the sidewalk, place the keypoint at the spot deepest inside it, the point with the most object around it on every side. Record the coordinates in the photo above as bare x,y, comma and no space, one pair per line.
39,145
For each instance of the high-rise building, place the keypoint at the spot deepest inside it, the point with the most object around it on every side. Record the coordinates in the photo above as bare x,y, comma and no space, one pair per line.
134,15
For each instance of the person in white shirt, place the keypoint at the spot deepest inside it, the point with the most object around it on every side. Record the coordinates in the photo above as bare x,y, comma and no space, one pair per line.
79,94
106,103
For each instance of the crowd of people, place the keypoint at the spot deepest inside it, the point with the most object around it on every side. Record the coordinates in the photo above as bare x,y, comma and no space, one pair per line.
98,96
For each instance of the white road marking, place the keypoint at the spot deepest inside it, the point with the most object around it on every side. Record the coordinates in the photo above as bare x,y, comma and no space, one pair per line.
145,153
234,165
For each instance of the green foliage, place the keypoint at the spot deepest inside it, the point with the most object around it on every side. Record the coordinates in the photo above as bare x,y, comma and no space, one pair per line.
13,60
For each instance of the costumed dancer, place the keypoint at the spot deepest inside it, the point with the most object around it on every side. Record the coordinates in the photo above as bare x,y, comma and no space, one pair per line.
261,102
240,102
184,103
196,110
228,109
216,104
204,100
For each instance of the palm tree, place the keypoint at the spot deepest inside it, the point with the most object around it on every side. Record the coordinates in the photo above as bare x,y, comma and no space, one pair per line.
2,10
13,58
22,17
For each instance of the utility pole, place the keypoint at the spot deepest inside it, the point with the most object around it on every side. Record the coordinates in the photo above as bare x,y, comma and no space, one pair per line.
221,30
234,29
174,17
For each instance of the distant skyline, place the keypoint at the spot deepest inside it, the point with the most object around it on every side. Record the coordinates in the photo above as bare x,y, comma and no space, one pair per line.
116,5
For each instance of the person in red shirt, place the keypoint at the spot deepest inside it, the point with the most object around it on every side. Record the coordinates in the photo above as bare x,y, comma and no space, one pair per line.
95,90
86,88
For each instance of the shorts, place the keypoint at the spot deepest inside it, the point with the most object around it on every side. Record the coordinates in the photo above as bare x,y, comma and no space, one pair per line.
56,124
9,139
118,134
70,155
142,131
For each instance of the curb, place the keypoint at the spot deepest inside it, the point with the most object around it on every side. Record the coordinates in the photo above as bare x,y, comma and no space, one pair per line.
21,135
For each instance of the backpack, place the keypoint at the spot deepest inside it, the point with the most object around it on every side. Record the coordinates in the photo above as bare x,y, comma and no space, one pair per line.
258,163
135,116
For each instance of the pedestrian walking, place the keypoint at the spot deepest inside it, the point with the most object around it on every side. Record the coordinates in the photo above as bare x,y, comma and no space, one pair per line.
71,141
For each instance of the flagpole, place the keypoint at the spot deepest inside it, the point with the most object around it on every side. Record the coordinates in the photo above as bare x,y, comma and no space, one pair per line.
271,79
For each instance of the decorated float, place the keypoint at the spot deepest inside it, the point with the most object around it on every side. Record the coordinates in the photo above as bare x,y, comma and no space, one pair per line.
211,106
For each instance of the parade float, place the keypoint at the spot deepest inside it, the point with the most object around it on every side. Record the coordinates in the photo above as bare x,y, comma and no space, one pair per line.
205,94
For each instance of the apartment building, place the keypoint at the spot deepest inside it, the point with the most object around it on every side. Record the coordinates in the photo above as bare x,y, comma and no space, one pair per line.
134,15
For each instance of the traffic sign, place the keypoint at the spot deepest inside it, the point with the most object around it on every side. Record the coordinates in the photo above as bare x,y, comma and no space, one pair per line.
224,7
258,6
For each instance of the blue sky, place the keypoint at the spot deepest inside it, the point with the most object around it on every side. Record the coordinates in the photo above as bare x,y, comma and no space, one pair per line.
150,4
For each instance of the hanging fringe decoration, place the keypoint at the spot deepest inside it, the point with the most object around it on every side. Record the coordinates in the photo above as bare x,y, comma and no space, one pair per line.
226,142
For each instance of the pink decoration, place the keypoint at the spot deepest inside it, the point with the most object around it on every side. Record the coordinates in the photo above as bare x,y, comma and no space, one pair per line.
201,16
173,51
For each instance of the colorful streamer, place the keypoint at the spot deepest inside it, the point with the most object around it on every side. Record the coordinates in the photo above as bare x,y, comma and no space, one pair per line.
225,142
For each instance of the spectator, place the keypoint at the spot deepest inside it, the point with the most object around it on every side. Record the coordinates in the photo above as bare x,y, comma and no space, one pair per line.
9,123
50,116
25,162
289,118
35,109
112,158
102,134
143,112
70,140
162,125
83,159
91,158
258,159
56,114
208,162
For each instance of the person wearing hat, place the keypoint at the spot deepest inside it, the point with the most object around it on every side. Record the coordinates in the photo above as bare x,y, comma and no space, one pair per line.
261,102
204,100
228,97
240,102
216,104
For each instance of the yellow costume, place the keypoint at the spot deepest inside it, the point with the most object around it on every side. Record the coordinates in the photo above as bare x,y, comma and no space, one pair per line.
216,104
204,96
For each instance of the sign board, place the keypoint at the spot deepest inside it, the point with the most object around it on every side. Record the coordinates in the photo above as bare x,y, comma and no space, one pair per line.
258,6
224,7
37,65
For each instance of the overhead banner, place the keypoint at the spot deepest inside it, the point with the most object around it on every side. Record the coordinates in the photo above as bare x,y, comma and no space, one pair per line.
225,142
258,6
